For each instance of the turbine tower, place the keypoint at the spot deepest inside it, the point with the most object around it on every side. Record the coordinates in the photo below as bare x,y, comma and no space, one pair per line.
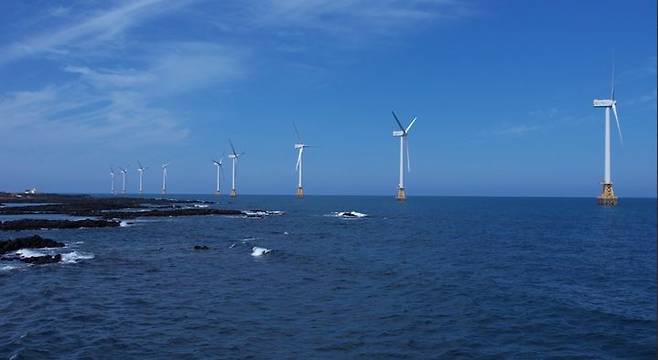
300,148
123,179
141,170
608,197
164,178
112,176
404,146
234,159
218,164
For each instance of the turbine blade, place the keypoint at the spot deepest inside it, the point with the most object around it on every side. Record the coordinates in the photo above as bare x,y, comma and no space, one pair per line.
397,120
232,147
614,110
299,160
299,137
612,91
411,124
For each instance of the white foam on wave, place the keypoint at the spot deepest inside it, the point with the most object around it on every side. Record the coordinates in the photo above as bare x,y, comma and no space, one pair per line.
8,267
248,239
259,251
348,214
28,253
74,256
123,223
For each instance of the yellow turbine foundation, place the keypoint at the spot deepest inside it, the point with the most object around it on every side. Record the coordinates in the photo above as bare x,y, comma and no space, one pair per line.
300,192
234,193
402,195
607,197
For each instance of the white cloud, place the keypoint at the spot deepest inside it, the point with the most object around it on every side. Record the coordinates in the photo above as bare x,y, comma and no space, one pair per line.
516,130
117,105
355,16
103,26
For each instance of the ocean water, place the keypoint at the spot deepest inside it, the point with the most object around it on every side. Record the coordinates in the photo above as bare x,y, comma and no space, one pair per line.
434,277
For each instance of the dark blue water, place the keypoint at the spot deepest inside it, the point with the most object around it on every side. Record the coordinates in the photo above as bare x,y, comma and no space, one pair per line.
429,278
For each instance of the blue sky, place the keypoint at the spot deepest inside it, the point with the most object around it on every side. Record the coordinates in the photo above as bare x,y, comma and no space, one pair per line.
502,90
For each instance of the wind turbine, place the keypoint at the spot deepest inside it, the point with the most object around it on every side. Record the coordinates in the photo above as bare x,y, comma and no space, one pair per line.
164,177
218,164
300,148
112,176
404,146
141,170
234,159
608,196
123,179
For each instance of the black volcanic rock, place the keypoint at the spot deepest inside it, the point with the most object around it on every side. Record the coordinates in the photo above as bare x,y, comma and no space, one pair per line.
41,260
169,213
33,224
30,242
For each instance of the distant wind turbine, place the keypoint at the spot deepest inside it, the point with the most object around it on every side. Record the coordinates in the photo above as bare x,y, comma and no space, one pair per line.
164,177
141,170
112,176
300,161
218,164
404,146
608,196
234,158
123,179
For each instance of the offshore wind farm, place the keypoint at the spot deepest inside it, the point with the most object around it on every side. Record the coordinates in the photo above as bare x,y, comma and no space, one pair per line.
234,179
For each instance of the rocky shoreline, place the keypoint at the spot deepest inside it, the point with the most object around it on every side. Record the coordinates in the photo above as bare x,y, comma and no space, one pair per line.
100,211
30,242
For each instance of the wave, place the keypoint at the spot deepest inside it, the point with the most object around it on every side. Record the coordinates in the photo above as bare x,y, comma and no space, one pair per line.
348,214
8,267
259,251
74,256
29,253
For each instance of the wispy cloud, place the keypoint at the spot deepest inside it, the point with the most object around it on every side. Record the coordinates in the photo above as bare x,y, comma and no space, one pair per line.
516,130
103,26
345,15
117,104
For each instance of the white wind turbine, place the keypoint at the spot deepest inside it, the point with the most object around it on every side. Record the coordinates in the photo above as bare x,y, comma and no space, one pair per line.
608,196
141,170
234,158
220,169
300,161
112,176
123,179
164,177
404,146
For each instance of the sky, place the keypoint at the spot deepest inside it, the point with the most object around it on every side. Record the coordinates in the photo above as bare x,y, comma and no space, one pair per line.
502,90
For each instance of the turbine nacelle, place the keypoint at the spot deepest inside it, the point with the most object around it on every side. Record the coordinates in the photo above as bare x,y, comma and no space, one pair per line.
399,133
604,103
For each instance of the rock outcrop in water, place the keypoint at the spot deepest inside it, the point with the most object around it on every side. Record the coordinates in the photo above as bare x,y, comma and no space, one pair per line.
35,224
201,247
30,242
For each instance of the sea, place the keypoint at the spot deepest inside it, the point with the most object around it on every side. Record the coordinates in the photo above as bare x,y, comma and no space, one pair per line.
429,278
